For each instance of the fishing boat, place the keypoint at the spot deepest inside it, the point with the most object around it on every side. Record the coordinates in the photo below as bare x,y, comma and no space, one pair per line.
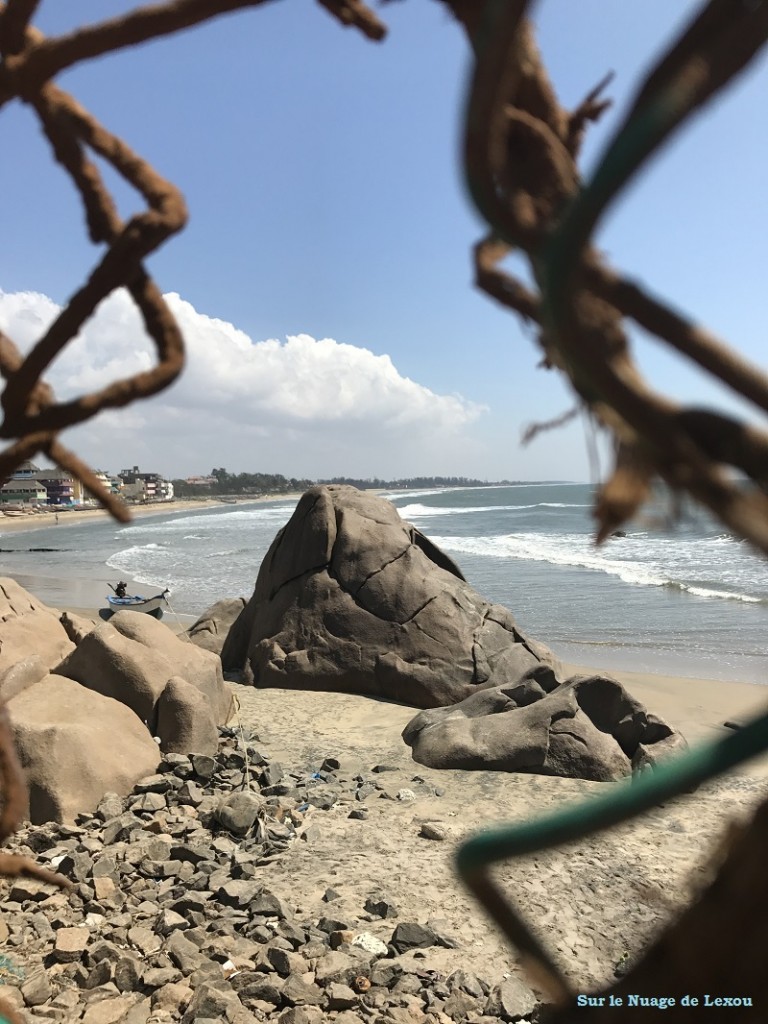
120,601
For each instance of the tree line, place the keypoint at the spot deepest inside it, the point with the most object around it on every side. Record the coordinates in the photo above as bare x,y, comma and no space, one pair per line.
259,484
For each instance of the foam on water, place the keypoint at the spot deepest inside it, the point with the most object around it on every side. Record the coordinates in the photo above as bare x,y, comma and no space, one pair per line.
393,496
653,562
416,511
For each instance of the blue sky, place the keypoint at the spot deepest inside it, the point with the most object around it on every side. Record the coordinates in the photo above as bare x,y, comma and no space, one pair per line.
327,207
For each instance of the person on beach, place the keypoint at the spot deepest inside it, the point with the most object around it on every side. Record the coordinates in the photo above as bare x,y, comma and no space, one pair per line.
57,518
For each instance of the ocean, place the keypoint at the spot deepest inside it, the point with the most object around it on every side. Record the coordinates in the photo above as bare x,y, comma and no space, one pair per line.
676,597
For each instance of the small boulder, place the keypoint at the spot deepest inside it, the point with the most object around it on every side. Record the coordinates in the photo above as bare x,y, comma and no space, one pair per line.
76,745
185,721
132,657
238,812
211,629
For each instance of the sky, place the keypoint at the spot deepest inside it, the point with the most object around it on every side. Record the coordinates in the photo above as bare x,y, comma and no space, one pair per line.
324,281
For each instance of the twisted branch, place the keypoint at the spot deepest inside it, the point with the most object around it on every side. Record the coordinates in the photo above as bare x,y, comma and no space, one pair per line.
520,154
31,413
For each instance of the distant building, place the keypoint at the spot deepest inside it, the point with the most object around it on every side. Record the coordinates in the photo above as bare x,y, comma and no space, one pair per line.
200,481
26,470
61,487
23,492
49,486
138,486
111,483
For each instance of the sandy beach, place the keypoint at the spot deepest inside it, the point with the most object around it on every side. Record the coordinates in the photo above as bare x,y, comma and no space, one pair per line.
596,902
74,517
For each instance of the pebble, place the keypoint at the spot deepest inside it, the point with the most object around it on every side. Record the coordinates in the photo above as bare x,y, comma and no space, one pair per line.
431,830
181,929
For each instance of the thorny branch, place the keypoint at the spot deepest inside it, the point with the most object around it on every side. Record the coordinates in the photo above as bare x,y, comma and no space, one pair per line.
31,414
520,150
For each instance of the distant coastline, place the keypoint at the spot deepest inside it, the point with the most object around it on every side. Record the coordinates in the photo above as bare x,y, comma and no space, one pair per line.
267,485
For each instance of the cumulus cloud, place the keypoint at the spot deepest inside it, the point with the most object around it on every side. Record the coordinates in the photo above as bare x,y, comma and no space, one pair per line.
300,394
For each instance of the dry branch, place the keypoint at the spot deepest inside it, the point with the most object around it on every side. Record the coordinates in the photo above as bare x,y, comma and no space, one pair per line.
32,415
520,151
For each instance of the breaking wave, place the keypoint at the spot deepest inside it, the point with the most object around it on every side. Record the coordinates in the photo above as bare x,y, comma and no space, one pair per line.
576,551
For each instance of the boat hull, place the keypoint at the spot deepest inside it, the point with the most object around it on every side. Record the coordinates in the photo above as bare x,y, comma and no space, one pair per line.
148,605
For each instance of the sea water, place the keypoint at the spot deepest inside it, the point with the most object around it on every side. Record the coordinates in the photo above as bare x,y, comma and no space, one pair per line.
676,595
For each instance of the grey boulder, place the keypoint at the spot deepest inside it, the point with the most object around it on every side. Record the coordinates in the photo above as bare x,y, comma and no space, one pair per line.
211,629
588,727
351,598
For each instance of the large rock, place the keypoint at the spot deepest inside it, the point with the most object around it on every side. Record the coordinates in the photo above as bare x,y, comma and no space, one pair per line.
132,657
350,597
185,722
28,627
589,728
210,630
76,745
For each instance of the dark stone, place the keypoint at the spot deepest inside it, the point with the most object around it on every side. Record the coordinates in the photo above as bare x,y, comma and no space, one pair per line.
341,997
330,924
512,999
409,935
297,992
127,974
184,954
267,905
380,906
238,812
238,893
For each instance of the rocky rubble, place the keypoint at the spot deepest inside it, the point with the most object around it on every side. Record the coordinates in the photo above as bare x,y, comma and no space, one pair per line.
167,919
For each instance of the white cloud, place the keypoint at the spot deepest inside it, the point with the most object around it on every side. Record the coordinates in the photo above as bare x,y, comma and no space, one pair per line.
239,400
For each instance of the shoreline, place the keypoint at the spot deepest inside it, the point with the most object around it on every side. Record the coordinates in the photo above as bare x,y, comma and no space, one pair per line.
47,520
698,707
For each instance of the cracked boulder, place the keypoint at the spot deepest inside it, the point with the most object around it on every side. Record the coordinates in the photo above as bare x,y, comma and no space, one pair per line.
351,598
132,657
588,727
